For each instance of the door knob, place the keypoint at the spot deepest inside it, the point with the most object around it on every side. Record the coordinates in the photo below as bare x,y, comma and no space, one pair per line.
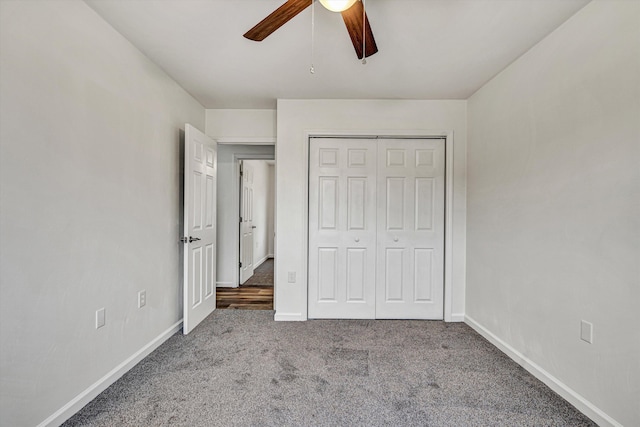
395,239
189,239
357,239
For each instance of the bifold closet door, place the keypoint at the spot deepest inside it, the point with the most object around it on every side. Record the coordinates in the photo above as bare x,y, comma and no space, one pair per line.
342,228
376,228
410,223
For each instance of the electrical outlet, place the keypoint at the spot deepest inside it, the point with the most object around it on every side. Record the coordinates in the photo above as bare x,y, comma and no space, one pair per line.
142,298
586,331
291,277
100,318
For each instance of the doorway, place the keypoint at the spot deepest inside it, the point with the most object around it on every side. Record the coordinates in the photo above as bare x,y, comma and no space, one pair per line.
255,235
256,215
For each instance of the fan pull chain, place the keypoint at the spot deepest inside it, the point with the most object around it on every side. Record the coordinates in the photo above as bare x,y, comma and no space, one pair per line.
312,70
364,26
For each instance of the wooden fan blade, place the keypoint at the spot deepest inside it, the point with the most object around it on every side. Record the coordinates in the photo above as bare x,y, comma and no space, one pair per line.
277,19
353,20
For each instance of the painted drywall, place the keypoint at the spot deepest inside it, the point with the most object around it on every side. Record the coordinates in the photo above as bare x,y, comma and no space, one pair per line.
90,194
553,232
271,212
246,124
228,207
295,118
261,192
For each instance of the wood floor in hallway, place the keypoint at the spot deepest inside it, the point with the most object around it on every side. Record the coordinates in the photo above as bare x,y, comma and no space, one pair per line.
255,294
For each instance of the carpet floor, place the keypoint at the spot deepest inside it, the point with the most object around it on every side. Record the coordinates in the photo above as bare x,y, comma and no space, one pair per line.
240,368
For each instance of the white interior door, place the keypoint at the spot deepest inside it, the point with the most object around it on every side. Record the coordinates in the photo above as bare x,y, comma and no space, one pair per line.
246,222
376,228
200,164
342,228
410,262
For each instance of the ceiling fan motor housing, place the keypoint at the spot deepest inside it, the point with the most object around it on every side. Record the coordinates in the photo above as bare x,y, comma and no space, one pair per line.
337,5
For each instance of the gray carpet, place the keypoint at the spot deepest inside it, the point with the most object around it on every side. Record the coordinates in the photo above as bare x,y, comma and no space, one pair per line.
240,368
262,276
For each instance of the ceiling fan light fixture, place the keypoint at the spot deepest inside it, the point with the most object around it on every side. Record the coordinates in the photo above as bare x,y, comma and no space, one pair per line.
337,5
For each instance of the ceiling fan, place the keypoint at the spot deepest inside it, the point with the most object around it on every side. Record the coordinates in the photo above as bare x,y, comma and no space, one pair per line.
352,12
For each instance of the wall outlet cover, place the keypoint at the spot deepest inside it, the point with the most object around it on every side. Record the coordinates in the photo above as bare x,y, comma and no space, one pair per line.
142,298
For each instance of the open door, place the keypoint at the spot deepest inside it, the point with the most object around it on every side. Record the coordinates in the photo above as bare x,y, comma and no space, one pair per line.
199,283
246,222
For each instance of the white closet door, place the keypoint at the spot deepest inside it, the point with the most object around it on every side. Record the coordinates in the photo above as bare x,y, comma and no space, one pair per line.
410,256
342,228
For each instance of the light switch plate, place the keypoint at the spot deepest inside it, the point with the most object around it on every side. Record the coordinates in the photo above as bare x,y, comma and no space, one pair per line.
586,331
100,318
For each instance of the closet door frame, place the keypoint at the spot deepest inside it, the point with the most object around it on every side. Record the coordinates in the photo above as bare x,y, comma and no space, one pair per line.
447,135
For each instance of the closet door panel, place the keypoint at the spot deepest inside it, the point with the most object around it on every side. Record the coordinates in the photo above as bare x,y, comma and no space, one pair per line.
342,228
410,281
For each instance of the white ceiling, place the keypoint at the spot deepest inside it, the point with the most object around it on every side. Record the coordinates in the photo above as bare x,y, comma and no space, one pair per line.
428,49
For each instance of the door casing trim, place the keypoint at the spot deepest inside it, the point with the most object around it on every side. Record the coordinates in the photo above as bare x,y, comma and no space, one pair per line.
448,136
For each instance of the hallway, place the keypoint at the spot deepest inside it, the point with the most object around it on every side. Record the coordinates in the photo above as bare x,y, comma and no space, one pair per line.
255,294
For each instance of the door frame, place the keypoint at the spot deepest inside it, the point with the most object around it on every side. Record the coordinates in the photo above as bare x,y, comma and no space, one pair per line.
236,202
447,135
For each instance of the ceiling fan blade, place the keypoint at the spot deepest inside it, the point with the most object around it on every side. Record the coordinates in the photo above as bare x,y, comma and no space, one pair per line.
277,19
353,20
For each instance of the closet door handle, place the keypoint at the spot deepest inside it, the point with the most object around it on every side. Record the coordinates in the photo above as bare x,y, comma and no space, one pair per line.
395,239
357,239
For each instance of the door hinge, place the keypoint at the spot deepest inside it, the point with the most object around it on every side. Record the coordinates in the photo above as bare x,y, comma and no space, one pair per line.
240,219
240,264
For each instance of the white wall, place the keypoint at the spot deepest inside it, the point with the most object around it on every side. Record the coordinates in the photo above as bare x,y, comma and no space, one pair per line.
90,195
271,212
554,208
295,117
242,124
228,207
261,192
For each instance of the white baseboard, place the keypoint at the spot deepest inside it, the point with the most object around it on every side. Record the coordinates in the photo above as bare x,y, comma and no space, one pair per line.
271,256
259,263
582,404
77,403
456,317
225,285
289,317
